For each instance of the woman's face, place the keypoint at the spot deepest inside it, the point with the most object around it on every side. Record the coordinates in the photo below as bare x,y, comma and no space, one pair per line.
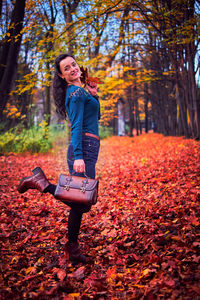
70,70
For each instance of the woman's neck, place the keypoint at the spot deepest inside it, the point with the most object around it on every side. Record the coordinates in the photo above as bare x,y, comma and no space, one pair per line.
76,82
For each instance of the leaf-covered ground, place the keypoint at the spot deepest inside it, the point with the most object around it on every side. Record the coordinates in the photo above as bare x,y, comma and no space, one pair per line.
143,235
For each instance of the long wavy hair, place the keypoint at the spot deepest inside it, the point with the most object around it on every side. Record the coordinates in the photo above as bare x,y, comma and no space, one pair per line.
60,87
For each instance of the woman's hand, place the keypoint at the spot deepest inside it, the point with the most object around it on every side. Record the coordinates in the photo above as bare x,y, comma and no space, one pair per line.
92,87
79,166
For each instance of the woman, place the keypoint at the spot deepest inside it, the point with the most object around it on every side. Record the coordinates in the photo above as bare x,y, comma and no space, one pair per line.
83,110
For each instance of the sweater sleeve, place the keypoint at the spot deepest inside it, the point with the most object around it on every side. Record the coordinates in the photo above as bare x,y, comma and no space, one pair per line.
76,110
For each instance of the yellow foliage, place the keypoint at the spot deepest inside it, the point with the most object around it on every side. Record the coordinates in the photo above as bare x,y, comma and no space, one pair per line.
43,124
18,114
27,83
12,112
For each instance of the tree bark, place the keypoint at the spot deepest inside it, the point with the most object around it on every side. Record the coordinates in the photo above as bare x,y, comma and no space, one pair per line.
68,13
9,59
131,105
1,5
146,107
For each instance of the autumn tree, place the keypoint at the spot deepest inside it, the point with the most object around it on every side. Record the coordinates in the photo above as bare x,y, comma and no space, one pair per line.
144,51
69,8
10,47
173,41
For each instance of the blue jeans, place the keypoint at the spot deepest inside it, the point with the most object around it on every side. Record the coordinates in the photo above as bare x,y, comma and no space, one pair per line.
90,147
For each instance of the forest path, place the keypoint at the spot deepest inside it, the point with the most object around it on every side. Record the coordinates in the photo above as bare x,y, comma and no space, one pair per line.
143,234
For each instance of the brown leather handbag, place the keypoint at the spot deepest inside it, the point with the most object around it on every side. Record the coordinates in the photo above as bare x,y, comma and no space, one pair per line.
75,189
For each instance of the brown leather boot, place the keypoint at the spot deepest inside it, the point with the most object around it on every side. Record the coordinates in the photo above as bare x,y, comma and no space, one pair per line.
37,181
75,255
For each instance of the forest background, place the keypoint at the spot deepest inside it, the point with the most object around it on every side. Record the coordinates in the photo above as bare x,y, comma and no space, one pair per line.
143,235
145,52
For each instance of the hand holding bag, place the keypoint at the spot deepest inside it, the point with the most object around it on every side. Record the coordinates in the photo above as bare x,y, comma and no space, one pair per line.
76,189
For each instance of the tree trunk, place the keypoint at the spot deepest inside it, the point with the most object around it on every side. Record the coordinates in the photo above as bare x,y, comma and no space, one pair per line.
131,111
68,13
47,99
137,117
131,123
1,5
146,107
182,110
47,105
9,60
193,91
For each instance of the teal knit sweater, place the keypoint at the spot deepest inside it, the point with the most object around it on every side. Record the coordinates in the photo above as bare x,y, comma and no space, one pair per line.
83,111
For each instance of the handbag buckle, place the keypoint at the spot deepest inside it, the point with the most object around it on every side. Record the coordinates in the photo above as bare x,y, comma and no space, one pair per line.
83,189
67,187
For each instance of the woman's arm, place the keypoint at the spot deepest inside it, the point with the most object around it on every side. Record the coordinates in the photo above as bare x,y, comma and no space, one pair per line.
76,108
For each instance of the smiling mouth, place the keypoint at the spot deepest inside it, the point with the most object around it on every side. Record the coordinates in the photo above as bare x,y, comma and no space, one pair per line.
75,73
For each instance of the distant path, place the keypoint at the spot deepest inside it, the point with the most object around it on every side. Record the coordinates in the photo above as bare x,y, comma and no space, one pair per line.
143,234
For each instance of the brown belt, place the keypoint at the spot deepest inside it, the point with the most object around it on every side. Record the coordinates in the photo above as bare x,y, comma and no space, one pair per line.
92,135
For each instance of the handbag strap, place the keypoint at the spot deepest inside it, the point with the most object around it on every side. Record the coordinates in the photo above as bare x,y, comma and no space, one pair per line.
74,172
83,187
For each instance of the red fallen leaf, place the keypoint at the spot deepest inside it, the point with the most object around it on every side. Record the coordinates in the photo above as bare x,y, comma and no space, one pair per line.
153,258
61,274
196,258
35,236
62,262
105,232
170,282
164,265
44,211
32,276
196,289
113,233
154,246
129,244
195,222
95,280
111,272
135,256
195,244
78,274
52,290
85,78
29,236
94,79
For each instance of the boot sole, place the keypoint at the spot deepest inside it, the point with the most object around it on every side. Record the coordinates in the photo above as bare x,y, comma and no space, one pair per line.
37,170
